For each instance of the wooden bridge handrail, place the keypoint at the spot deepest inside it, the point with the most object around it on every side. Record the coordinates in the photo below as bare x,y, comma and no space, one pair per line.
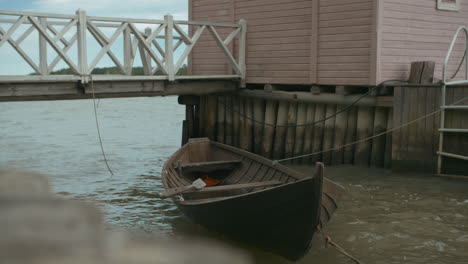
156,57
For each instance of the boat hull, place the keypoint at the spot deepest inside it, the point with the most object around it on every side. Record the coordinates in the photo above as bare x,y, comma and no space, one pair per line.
281,220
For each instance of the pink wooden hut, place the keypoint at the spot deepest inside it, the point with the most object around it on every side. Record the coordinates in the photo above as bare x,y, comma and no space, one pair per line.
332,42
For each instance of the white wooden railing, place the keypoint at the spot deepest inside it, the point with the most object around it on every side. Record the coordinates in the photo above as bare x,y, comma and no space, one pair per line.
156,45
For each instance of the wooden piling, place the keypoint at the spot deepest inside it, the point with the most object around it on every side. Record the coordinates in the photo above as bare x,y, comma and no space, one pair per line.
308,133
236,119
388,140
259,115
190,117
328,134
202,117
220,119
269,131
318,133
364,129
246,124
348,155
211,113
196,120
341,124
291,131
280,132
229,116
300,131
378,143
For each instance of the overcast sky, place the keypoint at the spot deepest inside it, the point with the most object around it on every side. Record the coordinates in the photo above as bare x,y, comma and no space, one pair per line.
155,9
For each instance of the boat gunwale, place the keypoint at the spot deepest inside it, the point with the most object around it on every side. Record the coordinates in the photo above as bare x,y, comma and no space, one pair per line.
216,200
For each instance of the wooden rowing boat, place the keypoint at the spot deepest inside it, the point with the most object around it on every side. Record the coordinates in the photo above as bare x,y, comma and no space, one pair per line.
253,199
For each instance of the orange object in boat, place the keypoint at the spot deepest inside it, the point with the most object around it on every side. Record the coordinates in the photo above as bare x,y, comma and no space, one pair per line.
210,181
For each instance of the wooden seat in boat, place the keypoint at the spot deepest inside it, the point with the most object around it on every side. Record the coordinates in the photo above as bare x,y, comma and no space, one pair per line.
209,166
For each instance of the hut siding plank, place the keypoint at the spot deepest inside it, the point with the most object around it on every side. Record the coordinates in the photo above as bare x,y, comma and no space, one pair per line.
414,31
282,33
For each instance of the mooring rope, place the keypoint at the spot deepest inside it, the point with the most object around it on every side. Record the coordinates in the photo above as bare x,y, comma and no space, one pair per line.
98,128
346,108
329,241
371,137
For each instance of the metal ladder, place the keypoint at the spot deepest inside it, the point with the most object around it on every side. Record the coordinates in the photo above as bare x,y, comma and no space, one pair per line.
444,106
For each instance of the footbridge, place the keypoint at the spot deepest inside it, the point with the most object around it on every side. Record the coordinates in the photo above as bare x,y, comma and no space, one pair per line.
148,57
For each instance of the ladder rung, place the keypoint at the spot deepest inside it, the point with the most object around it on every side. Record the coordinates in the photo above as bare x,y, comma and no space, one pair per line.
456,156
454,130
455,107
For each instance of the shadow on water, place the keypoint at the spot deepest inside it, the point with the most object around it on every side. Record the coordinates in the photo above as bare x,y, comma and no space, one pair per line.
383,217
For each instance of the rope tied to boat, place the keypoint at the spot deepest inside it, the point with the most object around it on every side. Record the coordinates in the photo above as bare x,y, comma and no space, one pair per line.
329,241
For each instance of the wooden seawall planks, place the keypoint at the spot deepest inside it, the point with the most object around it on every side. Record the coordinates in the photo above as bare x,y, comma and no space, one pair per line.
271,136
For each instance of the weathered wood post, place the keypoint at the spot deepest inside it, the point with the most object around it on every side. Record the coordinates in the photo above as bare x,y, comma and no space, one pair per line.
309,132
169,48
378,143
268,130
259,115
318,133
81,40
341,124
365,120
291,130
145,57
409,146
329,126
300,131
280,132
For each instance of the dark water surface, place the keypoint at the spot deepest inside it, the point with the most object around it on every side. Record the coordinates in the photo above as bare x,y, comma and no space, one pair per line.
383,217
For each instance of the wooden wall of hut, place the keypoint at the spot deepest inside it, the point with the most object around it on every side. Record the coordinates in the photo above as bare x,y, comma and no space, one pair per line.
274,128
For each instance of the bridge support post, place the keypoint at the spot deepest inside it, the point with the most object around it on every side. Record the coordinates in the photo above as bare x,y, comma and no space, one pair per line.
82,52
43,48
169,20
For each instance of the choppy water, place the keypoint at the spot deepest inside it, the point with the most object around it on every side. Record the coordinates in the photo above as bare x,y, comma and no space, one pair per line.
383,218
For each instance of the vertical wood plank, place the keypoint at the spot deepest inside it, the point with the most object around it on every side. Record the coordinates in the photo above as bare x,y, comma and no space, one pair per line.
412,144
242,124
429,156
203,117
228,126
397,121
280,132
259,115
212,105
350,136
236,119
405,111
189,116
422,147
269,131
341,124
247,125
378,143
309,133
388,140
318,133
364,130
328,134
291,131
300,131
220,118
